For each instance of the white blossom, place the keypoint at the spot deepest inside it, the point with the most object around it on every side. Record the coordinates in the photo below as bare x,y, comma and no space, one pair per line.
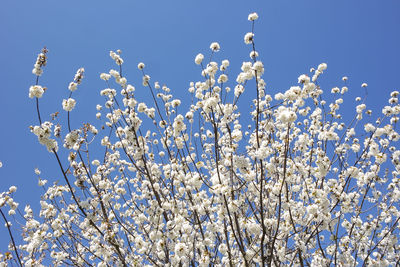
214,47
72,86
36,91
287,116
68,104
248,38
105,76
199,58
253,16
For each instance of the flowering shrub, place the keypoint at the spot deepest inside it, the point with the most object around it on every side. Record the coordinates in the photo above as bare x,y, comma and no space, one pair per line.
195,188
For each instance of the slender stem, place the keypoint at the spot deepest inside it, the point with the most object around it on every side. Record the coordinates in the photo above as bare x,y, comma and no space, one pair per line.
37,110
12,238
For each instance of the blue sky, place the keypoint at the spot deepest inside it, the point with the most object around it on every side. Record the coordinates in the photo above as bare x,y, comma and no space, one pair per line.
359,39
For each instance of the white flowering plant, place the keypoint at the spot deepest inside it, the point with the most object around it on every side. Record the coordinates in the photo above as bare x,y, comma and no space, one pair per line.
189,185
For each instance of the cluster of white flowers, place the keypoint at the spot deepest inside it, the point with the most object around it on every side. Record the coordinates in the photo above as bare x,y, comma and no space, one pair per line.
319,71
79,75
41,61
43,133
36,91
253,16
7,199
184,182
145,80
248,38
68,104
199,58
116,56
215,47
105,76
179,125
286,115
77,80
72,140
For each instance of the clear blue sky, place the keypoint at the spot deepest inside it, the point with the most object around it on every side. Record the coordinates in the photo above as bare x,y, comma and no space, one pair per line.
359,39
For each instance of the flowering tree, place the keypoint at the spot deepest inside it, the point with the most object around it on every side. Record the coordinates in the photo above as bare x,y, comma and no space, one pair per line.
165,186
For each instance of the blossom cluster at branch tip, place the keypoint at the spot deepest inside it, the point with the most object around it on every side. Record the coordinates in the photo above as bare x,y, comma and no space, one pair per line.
253,16
199,58
77,80
116,57
41,61
214,47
